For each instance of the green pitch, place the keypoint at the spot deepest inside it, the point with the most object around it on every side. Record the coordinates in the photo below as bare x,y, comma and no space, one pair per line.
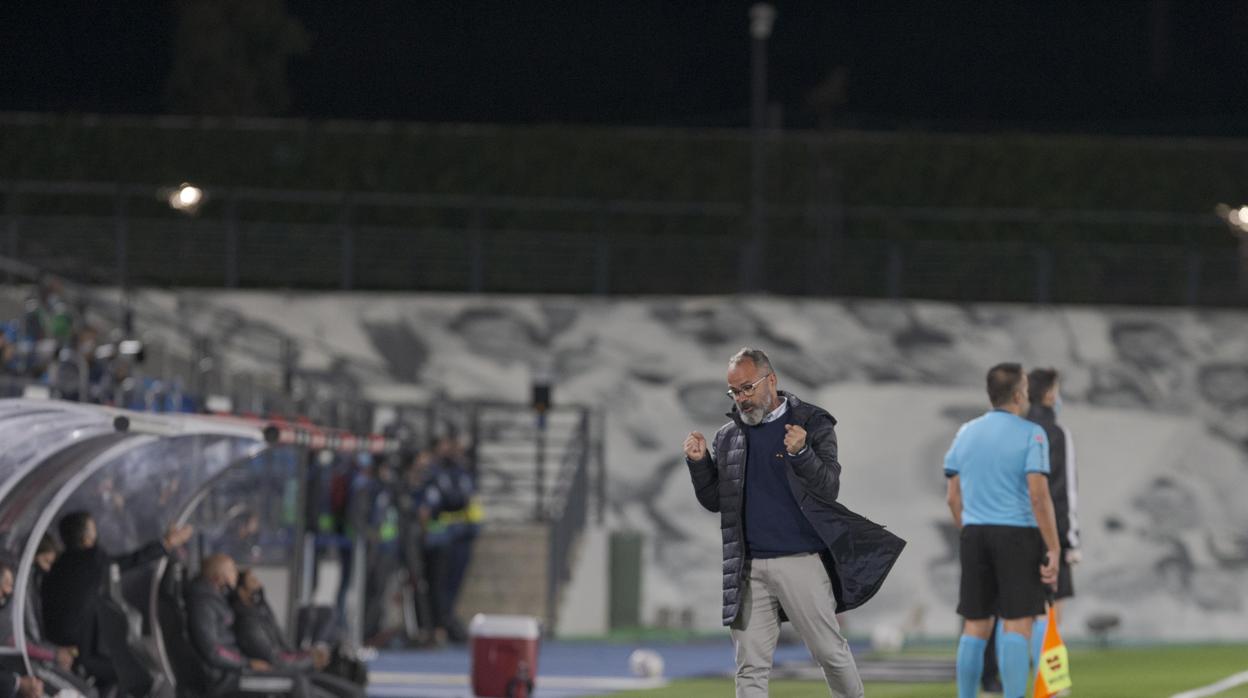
1157,672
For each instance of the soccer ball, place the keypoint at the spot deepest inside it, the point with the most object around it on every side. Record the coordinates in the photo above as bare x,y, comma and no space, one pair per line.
887,638
645,663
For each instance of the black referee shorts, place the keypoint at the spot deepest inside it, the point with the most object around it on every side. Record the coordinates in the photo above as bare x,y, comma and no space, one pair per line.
1001,572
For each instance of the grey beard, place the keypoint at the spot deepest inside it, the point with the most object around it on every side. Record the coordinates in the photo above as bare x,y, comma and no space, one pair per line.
754,416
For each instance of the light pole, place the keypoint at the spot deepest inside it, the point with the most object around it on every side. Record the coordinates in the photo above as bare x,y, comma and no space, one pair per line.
753,257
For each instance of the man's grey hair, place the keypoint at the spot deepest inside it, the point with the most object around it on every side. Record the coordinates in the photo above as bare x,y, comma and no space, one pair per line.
755,355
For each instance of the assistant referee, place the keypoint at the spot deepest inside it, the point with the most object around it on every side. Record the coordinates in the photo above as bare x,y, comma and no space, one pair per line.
998,492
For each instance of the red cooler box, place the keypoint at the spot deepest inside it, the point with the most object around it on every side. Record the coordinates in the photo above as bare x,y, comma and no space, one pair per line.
504,655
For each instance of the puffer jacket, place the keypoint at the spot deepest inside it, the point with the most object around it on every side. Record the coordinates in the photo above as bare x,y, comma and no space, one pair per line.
259,636
210,625
859,553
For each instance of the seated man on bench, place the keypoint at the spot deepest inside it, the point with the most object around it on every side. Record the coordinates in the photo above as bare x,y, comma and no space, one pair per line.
259,637
210,625
52,663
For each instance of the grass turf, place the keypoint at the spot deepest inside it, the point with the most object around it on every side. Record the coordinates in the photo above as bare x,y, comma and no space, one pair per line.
1150,672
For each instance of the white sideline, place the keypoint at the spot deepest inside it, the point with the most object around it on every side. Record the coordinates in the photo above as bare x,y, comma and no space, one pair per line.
1215,688
600,683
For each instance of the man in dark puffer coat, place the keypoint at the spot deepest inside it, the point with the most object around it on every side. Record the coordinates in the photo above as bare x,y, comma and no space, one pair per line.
260,637
791,550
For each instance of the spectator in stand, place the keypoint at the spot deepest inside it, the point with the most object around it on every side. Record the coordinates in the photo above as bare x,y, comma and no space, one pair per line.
53,343
34,319
9,359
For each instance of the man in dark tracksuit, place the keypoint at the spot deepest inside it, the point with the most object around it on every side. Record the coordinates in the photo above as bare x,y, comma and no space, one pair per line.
210,625
791,550
1044,392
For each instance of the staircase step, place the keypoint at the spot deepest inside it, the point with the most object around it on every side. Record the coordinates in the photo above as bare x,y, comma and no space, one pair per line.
508,572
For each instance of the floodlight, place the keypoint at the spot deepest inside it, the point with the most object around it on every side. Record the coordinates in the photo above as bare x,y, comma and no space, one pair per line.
186,198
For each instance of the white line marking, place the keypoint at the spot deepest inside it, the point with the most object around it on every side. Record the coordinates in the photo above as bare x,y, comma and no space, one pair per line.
1215,688
603,683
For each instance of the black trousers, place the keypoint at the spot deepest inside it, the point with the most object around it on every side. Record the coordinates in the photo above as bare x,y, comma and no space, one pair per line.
437,570
91,658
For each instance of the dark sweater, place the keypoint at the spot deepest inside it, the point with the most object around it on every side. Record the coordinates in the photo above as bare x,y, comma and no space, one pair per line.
774,525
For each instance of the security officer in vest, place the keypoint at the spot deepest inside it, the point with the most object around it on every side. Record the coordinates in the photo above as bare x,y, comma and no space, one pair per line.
791,549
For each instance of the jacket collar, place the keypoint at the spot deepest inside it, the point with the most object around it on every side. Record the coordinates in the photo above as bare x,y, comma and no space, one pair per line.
1041,413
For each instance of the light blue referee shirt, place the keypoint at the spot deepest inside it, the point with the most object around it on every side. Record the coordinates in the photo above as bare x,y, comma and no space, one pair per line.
992,455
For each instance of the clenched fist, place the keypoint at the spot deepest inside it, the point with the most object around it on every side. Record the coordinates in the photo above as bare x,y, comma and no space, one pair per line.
695,446
794,439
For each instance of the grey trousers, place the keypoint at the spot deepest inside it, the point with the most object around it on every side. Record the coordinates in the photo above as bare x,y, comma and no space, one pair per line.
800,584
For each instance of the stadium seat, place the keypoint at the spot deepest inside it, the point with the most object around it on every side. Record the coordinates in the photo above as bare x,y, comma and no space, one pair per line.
138,670
188,671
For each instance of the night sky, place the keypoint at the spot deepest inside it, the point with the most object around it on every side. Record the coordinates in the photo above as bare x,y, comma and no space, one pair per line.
1156,66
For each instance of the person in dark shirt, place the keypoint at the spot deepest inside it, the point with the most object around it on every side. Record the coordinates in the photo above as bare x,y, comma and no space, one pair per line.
1044,385
75,583
445,497
35,648
45,557
260,637
54,664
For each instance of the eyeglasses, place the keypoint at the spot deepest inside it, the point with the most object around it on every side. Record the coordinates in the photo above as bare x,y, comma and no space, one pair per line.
746,390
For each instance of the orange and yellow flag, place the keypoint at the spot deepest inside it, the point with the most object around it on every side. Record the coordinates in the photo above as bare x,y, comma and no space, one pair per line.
1053,674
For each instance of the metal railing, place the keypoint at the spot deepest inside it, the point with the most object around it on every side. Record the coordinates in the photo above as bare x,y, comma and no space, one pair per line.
444,242
569,515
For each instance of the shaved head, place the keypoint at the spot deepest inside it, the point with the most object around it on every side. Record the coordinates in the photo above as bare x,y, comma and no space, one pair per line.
220,570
